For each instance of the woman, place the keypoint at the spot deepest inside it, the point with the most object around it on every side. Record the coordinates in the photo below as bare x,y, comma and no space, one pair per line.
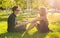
43,22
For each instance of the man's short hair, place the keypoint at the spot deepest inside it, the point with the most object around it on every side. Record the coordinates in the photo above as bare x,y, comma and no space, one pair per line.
14,8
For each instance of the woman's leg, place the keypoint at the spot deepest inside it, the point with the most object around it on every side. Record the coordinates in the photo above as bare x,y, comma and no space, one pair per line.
38,27
31,26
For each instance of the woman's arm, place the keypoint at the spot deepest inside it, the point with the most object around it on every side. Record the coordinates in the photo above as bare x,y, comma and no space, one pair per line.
33,23
37,19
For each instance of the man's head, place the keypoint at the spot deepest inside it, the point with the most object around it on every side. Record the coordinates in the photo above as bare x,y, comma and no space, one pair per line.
15,10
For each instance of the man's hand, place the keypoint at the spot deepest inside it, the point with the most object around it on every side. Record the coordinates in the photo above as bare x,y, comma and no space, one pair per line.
22,23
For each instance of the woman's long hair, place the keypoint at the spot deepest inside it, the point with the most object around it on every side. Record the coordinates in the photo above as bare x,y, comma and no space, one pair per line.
42,12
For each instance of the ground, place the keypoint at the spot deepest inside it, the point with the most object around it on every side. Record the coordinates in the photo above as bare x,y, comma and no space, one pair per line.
54,24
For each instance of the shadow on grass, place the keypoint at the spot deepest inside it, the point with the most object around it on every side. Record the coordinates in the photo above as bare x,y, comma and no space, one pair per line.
11,35
3,19
26,35
3,15
22,35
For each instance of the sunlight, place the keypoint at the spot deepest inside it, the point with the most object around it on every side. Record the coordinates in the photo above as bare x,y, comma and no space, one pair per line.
53,35
51,2
30,10
54,3
3,27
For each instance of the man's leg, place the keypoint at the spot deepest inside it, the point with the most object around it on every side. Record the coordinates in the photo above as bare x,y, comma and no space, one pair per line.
20,28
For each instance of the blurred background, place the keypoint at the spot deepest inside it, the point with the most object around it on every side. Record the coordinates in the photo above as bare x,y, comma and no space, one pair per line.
29,10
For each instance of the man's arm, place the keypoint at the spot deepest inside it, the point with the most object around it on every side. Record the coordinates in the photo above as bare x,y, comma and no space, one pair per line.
21,24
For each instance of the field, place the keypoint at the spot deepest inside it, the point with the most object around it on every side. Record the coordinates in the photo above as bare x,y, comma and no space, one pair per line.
54,20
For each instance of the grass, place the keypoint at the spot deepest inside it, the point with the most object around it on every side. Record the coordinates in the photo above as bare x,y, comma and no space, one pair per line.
54,21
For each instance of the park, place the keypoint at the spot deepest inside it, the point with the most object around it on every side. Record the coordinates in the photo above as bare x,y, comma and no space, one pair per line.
29,11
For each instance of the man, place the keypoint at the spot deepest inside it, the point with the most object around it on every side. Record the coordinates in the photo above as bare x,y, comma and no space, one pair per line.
13,26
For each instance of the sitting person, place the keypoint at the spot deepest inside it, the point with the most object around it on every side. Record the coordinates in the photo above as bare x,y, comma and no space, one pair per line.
13,26
42,26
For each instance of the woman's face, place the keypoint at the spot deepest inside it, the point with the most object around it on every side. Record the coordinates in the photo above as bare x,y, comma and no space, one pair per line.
42,12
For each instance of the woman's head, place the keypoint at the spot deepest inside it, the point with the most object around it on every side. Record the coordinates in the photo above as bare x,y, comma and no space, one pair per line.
42,11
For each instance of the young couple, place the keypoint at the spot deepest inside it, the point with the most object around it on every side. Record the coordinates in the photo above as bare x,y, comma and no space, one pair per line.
14,26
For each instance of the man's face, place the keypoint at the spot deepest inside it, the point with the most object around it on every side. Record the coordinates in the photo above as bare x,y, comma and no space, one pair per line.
17,11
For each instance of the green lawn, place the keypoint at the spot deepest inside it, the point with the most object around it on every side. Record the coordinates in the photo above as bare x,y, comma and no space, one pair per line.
54,21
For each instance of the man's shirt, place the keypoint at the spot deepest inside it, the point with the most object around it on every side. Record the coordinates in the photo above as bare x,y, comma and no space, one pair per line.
11,22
